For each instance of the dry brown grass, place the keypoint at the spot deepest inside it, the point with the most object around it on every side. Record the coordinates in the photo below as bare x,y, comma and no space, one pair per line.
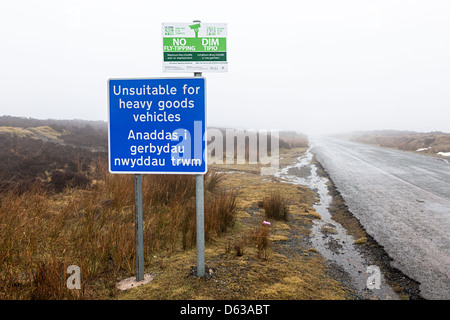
41,233
261,237
275,206
252,260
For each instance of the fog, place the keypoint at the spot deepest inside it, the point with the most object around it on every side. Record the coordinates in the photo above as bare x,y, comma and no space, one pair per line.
309,66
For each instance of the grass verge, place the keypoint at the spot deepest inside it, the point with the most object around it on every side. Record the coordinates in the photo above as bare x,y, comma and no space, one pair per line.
253,260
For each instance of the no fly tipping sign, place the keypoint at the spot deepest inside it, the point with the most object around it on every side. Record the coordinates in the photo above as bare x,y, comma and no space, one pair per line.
194,47
157,126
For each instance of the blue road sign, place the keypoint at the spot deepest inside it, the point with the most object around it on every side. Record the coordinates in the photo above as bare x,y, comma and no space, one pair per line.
157,126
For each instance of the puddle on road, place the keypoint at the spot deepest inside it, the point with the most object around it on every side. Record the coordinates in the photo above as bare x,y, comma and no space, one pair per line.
328,236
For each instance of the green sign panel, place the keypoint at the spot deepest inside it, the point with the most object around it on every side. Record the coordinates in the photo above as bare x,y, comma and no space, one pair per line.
194,47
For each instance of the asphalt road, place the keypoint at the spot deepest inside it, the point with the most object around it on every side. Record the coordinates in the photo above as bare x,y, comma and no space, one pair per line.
403,201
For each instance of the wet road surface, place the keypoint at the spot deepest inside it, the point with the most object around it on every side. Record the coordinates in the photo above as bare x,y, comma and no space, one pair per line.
403,201
329,238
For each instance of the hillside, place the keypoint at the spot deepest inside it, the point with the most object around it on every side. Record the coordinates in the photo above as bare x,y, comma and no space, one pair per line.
92,135
59,153
432,143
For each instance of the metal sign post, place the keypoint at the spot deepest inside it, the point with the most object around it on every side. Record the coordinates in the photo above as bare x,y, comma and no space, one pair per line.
200,215
157,126
138,223
199,195
196,47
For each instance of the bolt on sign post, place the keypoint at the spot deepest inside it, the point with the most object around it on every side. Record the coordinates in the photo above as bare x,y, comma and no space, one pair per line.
155,126
196,47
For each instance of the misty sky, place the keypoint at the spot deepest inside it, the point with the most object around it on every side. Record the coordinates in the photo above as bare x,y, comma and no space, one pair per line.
310,66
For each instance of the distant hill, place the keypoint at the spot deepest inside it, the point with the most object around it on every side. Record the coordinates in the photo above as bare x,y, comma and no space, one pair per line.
92,135
435,142
61,153
52,153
